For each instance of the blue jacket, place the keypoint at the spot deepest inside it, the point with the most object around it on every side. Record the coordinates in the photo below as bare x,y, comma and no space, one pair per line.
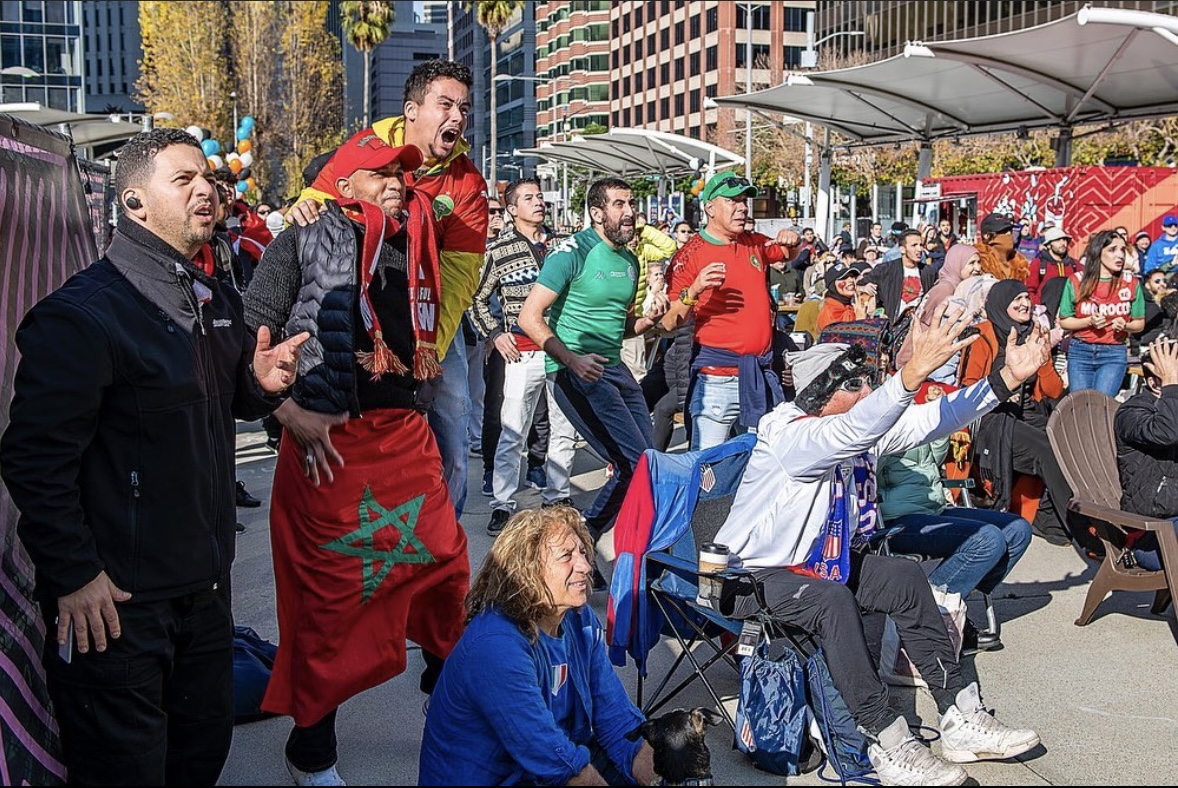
490,719
1163,253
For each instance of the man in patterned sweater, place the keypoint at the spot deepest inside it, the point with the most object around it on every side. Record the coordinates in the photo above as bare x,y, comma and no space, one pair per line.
512,267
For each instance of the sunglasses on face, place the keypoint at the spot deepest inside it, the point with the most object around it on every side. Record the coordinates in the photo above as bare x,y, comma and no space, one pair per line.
496,211
854,385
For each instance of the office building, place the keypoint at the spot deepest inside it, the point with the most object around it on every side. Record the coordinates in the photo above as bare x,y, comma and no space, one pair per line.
516,98
411,40
573,43
41,54
668,57
888,26
113,51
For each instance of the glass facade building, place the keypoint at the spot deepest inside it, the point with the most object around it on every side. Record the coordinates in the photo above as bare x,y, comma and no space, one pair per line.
41,54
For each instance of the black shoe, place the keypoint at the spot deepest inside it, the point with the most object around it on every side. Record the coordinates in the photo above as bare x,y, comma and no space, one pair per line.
244,499
973,640
272,443
560,502
239,527
499,518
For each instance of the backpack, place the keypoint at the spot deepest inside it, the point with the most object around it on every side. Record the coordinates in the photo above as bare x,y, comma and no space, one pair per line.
771,715
253,660
874,335
845,744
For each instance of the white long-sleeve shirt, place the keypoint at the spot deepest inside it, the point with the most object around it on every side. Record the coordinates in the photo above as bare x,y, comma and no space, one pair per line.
784,498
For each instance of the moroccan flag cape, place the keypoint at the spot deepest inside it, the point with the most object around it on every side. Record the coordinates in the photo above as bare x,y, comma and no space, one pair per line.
362,564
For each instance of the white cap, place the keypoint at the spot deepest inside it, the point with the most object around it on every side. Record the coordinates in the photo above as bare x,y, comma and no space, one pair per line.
1055,234
808,364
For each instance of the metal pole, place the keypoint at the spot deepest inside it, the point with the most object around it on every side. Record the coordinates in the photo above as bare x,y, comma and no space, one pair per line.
809,160
233,95
748,70
565,195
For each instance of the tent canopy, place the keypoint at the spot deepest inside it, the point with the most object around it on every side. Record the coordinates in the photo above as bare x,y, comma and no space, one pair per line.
1058,74
629,153
82,128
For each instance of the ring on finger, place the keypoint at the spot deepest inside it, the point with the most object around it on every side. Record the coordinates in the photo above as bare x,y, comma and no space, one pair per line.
309,460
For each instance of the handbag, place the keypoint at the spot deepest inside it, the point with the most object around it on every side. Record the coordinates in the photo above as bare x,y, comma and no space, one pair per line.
771,715
894,665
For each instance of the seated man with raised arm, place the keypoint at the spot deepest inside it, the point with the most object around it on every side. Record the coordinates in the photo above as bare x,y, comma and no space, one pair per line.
806,508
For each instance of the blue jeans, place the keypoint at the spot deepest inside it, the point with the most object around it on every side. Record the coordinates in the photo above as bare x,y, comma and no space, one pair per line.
714,409
979,547
1100,367
611,415
449,418
1146,550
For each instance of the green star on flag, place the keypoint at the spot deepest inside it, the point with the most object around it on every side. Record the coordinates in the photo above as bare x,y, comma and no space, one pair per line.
409,549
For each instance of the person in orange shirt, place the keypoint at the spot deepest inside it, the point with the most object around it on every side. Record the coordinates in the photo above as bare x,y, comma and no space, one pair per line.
1012,438
843,302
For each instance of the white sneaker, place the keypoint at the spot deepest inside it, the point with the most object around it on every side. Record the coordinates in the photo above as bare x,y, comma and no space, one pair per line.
971,733
325,777
899,759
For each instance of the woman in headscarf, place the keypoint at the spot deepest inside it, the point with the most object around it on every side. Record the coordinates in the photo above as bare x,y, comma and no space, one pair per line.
962,263
1013,437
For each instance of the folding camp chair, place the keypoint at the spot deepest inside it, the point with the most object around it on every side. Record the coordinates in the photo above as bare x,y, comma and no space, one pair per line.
677,505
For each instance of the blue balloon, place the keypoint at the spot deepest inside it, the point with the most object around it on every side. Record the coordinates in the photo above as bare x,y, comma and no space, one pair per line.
243,133
247,122
210,147
242,187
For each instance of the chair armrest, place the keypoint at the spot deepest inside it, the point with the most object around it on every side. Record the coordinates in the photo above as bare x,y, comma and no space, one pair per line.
958,484
690,570
684,567
1118,517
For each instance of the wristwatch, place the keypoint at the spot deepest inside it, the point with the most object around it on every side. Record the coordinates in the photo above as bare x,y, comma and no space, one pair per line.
686,299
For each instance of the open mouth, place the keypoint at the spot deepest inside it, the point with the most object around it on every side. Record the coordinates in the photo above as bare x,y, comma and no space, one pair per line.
450,136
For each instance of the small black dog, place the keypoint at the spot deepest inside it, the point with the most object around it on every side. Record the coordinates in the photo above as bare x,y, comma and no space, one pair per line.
678,738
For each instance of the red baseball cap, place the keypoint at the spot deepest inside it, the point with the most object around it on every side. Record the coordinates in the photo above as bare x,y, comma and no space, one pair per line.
365,150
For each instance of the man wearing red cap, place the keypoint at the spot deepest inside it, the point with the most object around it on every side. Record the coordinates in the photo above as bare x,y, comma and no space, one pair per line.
437,104
367,550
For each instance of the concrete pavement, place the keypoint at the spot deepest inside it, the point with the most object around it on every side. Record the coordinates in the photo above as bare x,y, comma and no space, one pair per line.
1104,698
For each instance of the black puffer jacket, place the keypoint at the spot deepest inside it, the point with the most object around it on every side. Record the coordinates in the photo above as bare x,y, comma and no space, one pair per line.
1147,453
119,452
308,281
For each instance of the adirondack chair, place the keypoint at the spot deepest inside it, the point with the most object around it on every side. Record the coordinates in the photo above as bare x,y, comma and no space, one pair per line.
1081,434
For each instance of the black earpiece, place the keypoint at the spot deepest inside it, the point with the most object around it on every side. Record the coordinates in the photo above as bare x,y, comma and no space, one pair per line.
132,202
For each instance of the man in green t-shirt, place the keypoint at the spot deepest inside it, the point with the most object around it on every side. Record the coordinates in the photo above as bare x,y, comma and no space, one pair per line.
587,287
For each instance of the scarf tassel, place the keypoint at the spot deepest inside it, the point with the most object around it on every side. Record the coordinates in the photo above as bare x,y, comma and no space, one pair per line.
425,362
381,360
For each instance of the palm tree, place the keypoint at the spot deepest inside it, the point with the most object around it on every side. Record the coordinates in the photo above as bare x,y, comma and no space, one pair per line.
493,16
366,24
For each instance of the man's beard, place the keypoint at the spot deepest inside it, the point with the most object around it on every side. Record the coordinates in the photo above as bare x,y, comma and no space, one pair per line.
617,233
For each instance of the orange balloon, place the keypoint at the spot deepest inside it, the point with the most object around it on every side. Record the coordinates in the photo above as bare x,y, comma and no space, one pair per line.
212,164
251,183
244,146
235,165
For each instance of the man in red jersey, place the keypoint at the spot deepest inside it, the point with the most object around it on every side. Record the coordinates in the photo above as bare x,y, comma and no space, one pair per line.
722,274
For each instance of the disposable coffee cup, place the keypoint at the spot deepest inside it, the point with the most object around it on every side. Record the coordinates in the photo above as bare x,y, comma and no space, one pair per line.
713,558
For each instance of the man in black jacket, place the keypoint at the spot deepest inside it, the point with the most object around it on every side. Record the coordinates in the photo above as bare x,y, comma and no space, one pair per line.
119,455
1146,427
900,284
